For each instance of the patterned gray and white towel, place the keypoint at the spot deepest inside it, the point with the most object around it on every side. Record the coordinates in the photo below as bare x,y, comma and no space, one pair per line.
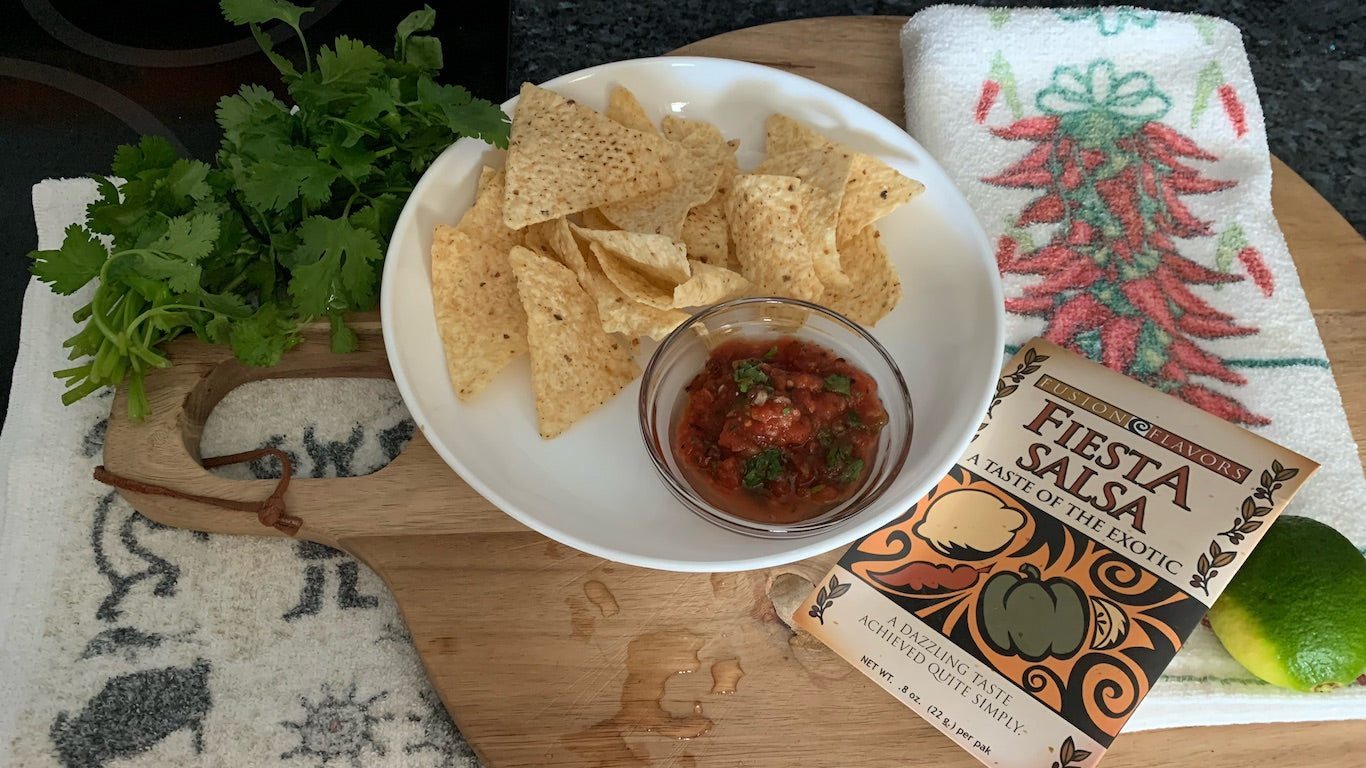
128,643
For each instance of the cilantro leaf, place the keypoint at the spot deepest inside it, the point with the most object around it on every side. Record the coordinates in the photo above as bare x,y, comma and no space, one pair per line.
217,330
334,270
838,455
342,339
187,180
150,153
763,467
839,383
125,269
464,115
179,275
380,216
354,161
262,11
747,373
417,21
76,263
252,111
349,64
285,66
373,104
225,304
264,337
287,175
424,53
852,470
191,237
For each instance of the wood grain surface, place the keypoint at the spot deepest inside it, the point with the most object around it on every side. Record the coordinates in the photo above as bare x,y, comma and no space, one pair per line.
546,656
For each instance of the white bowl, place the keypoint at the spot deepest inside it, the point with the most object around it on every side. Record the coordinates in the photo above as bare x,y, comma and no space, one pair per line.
593,487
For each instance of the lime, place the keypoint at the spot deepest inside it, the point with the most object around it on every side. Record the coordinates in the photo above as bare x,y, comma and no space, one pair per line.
1295,613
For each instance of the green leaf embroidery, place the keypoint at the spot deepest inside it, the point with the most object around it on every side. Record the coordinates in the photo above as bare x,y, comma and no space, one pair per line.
1211,77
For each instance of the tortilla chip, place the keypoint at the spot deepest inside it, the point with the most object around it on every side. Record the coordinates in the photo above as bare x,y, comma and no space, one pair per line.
478,313
656,256
618,312
593,219
697,166
632,283
484,219
698,137
621,314
875,287
711,284
705,232
824,173
783,134
556,239
874,190
765,219
576,366
706,235
564,157
623,107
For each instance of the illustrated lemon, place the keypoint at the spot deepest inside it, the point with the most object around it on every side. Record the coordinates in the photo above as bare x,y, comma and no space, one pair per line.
1295,613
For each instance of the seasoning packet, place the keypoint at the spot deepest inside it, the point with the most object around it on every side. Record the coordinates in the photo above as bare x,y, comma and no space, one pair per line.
1027,604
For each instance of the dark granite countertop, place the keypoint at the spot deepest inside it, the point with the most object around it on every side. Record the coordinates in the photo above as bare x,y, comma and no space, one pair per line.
1308,59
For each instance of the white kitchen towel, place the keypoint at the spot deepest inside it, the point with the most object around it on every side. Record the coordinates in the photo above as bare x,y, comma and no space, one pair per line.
1117,158
128,643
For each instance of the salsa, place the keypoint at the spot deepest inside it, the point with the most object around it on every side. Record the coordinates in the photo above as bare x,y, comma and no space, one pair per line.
778,430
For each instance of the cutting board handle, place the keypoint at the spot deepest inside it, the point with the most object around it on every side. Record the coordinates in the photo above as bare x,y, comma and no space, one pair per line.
405,496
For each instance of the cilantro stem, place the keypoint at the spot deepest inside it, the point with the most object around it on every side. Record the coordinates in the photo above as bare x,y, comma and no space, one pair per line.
372,133
236,281
166,308
247,222
97,316
137,394
76,393
73,372
303,43
141,355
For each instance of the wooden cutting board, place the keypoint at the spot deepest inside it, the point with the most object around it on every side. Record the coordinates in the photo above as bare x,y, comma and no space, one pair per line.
549,657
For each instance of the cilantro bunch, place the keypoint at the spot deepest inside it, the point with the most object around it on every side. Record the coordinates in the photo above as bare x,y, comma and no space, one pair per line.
287,226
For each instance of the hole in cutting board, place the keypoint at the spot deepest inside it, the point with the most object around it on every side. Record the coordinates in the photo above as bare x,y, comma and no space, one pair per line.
330,427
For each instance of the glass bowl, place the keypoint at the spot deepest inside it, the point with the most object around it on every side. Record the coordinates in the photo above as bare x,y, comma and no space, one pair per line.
682,355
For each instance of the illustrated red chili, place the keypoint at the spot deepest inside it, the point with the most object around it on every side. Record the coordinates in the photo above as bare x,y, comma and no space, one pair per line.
921,576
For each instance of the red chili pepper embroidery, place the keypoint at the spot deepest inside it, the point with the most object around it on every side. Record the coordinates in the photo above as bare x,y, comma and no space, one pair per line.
1112,281
1233,107
990,90
1252,262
